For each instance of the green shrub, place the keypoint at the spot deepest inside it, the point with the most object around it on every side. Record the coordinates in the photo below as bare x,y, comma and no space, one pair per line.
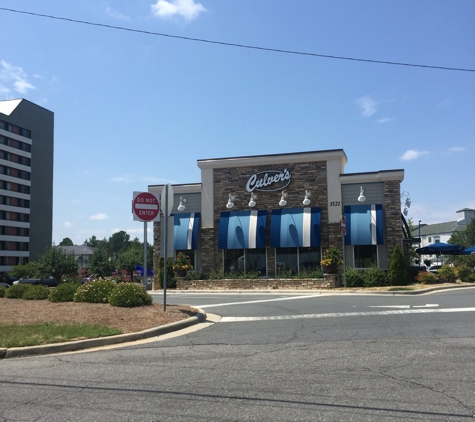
397,274
36,293
447,273
216,274
316,273
425,277
171,281
2,291
284,273
354,277
64,292
464,272
16,291
194,275
243,275
412,273
96,291
129,295
375,277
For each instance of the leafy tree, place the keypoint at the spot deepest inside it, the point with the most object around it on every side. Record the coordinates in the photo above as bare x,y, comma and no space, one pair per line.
129,259
66,242
94,242
29,270
397,274
465,238
119,242
56,262
101,263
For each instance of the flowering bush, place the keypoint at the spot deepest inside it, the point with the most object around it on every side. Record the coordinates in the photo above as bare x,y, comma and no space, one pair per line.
182,262
331,256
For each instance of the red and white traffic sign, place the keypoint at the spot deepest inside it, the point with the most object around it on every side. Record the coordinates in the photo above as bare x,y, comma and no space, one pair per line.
343,225
146,207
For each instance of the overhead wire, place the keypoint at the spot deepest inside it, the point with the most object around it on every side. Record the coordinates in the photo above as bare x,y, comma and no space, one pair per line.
228,44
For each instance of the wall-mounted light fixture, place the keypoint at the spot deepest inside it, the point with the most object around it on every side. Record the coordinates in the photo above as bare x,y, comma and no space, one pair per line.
230,202
181,207
306,200
282,201
361,198
252,202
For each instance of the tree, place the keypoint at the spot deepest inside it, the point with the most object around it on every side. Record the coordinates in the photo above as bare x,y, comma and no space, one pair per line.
129,259
465,238
119,242
66,242
56,262
397,273
101,263
28,270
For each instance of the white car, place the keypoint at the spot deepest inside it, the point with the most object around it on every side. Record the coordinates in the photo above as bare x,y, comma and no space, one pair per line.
434,268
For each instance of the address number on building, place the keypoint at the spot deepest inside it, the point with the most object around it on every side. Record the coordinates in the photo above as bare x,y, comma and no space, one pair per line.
334,203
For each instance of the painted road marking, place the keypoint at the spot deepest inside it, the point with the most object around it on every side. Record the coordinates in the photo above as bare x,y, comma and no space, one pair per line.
429,305
347,314
256,301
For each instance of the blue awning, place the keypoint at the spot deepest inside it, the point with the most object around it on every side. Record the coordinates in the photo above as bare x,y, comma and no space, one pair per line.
242,229
364,224
185,231
294,228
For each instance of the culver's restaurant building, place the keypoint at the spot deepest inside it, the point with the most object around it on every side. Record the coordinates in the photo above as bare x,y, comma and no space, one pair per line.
279,213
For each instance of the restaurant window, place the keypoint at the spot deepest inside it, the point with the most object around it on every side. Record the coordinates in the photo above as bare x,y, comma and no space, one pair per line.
245,261
291,261
365,256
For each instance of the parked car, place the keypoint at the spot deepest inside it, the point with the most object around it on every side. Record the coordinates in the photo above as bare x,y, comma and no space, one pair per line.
434,268
44,281
8,279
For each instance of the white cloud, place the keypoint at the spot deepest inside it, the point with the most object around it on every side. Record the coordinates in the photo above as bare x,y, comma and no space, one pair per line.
457,149
100,216
67,225
116,15
412,154
384,120
185,8
16,76
367,106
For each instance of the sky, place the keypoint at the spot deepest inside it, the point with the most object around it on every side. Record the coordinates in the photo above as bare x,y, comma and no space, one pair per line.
139,107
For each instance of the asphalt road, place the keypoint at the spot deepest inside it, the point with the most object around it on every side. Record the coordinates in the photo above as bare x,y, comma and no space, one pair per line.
271,357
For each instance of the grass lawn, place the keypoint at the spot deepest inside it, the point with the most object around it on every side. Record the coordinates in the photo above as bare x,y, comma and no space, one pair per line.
20,335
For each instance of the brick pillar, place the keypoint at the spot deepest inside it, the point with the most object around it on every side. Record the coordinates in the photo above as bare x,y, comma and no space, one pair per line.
392,215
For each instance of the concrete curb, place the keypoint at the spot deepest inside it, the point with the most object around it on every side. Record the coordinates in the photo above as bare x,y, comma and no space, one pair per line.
338,291
71,346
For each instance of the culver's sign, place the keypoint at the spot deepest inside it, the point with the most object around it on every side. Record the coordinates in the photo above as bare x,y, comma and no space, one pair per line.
269,180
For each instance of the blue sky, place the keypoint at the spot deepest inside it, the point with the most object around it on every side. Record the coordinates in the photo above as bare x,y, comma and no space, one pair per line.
133,109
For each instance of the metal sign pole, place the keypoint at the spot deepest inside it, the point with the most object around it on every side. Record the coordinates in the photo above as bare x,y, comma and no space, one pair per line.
145,255
165,258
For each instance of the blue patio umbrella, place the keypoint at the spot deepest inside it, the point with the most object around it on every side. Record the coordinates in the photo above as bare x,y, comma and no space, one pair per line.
470,250
441,249
139,268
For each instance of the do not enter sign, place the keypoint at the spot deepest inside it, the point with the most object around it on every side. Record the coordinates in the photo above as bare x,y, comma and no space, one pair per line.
146,207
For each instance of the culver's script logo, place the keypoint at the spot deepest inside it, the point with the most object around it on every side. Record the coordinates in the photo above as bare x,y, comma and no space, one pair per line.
260,181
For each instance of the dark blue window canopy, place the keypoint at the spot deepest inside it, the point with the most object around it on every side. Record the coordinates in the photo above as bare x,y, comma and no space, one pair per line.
185,231
295,227
242,229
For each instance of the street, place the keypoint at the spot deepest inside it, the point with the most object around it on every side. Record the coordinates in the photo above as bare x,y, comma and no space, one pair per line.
270,357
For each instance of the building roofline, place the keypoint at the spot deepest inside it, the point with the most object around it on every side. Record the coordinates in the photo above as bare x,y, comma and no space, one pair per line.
292,157
372,176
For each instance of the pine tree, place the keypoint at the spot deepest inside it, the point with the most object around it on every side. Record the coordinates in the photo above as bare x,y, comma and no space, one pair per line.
397,273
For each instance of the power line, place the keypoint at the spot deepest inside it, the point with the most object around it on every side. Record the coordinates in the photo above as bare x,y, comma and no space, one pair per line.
252,47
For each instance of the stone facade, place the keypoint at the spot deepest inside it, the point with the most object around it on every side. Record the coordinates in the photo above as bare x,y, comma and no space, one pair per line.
392,216
330,281
319,172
